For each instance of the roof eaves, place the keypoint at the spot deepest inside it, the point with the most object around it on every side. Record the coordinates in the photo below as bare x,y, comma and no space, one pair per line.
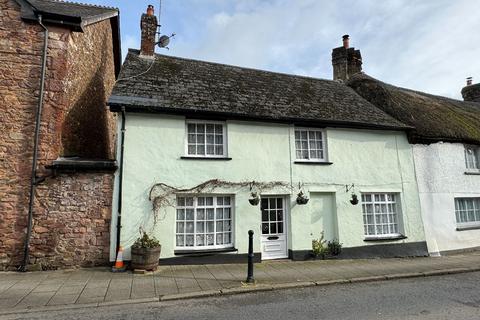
151,105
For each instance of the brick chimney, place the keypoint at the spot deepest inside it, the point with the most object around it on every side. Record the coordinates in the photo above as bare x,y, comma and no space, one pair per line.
148,25
346,61
471,92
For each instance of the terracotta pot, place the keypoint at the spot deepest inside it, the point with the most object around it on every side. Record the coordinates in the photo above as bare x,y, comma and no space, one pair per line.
145,258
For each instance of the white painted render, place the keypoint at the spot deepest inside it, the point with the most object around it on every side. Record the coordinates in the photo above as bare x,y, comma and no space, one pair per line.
442,176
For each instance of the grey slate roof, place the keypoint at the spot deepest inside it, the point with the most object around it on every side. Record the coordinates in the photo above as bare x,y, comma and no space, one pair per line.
435,118
182,86
74,14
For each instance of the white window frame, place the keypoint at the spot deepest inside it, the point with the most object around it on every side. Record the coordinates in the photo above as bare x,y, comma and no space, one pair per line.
195,206
476,212
398,213
475,166
205,122
323,133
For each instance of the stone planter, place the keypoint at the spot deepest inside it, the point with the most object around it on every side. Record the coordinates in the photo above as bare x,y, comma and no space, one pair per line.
145,258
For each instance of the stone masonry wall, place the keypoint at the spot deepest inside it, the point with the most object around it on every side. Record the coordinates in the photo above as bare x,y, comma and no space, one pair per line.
72,211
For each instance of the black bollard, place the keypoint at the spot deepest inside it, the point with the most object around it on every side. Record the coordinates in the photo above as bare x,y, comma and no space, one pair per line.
250,278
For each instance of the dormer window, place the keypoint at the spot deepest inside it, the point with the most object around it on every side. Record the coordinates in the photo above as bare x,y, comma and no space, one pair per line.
472,155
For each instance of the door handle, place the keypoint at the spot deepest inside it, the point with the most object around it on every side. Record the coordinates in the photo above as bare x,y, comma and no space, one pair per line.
273,238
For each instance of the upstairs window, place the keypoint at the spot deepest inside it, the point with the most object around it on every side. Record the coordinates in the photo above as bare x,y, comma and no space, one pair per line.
467,212
310,144
206,139
472,155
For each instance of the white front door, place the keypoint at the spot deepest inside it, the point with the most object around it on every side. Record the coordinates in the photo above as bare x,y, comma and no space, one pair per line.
274,228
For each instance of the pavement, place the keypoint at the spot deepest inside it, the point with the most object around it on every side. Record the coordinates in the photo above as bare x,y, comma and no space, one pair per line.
67,289
447,297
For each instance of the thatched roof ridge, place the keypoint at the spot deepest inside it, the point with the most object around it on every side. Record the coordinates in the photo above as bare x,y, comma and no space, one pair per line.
434,118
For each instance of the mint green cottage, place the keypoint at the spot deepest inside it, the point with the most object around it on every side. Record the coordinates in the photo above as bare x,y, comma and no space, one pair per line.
208,152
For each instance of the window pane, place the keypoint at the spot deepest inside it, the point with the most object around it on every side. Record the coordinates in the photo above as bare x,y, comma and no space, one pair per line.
189,240
210,128
180,214
265,229
210,138
210,214
200,227
191,138
227,201
200,240
210,239
200,138
219,238
218,150
180,241
191,128
210,226
200,150
191,149
189,227
219,139
180,227
218,128
219,214
189,214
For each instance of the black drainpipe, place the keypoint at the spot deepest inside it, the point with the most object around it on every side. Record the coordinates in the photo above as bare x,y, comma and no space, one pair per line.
120,183
33,180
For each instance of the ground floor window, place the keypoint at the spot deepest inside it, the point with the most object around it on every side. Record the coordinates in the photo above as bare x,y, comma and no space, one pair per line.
380,214
204,222
467,211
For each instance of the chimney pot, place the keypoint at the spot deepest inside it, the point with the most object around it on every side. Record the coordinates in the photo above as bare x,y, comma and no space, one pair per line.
150,10
469,81
346,41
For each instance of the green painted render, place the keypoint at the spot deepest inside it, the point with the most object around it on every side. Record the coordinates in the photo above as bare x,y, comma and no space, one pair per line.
375,161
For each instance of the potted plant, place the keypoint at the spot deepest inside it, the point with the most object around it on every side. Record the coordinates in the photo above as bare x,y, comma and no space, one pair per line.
319,248
301,198
255,199
334,247
354,199
145,252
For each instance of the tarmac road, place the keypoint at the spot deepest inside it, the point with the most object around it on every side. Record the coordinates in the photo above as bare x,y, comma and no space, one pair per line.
440,297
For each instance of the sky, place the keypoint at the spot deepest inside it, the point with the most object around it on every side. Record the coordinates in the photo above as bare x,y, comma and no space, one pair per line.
426,45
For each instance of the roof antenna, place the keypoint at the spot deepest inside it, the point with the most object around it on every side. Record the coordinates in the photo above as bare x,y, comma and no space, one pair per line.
163,40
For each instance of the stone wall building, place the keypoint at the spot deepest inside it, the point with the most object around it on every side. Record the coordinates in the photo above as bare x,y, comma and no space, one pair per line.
72,190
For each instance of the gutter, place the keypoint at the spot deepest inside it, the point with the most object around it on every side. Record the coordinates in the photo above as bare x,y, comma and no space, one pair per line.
33,179
120,183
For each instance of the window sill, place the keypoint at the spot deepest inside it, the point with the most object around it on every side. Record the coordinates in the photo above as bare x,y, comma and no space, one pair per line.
384,238
466,228
324,163
472,172
205,158
203,251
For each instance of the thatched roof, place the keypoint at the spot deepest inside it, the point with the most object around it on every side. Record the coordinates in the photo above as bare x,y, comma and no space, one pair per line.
434,118
165,84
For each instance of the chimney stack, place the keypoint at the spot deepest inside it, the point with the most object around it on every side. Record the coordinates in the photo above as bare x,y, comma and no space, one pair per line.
346,61
148,25
471,92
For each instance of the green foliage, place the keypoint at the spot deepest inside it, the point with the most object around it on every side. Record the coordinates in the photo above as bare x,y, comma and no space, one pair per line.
319,247
334,247
145,241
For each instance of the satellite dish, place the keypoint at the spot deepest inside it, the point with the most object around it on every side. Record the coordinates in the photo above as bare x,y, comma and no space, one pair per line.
163,41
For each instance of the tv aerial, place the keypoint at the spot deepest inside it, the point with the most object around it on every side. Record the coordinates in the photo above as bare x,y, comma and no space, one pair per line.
163,40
